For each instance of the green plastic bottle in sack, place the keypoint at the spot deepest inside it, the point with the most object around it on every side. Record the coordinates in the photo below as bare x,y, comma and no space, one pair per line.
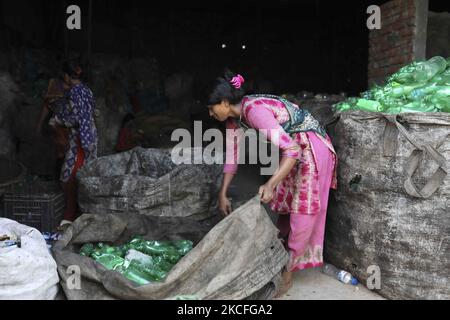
110,261
183,246
135,275
87,249
428,69
369,105
152,273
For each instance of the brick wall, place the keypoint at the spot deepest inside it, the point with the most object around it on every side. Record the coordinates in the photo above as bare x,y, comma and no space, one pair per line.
400,40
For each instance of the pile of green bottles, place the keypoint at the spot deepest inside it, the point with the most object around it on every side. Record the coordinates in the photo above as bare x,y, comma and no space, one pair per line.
141,261
418,87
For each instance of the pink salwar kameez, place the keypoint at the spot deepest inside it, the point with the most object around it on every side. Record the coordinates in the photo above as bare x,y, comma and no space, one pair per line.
301,198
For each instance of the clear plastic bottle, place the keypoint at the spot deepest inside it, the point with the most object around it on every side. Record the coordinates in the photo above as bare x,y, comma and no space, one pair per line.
428,69
341,275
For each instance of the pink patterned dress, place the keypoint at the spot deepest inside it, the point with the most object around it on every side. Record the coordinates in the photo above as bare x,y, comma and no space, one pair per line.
302,197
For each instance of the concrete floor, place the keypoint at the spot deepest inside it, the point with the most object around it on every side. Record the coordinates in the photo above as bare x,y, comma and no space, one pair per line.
310,284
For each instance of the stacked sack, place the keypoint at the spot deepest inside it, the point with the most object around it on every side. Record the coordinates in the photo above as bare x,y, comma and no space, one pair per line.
418,87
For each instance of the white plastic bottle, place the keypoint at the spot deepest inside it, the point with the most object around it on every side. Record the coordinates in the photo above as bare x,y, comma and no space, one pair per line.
341,275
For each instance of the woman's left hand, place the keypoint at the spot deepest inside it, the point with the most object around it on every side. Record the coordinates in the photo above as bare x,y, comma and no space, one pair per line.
266,192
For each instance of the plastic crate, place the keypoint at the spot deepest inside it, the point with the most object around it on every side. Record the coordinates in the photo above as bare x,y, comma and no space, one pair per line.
41,211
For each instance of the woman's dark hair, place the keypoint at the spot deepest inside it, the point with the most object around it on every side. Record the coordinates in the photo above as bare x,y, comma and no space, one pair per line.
224,91
72,68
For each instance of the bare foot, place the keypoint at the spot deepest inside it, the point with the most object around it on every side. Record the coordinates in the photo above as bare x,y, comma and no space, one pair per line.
286,284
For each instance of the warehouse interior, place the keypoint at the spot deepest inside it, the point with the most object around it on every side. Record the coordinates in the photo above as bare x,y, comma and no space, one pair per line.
151,67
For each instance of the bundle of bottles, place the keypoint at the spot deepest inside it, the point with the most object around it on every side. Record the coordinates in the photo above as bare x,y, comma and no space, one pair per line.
139,260
418,87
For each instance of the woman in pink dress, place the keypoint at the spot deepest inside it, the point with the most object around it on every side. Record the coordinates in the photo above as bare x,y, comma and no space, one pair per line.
299,188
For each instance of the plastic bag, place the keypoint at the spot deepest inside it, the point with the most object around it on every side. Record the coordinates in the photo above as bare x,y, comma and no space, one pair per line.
27,272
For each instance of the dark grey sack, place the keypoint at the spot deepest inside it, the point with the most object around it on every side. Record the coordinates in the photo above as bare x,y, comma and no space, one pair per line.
147,181
392,206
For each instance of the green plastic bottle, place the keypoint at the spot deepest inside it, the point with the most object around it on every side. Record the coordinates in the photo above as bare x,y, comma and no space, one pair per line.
428,69
404,75
419,72
369,105
420,93
151,273
158,248
183,246
87,249
439,102
443,91
134,275
342,106
163,264
418,106
442,79
110,261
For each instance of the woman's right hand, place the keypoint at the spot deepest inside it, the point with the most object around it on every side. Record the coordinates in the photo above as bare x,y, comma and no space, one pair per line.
224,205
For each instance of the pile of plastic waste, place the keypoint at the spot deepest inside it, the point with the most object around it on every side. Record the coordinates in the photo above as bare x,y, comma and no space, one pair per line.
418,87
139,260
9,241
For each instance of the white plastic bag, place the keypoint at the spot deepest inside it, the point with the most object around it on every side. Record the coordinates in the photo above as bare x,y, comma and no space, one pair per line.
28,272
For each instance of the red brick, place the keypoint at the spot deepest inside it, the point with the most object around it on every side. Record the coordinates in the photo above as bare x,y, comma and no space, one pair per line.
386,21
406,4
391,47
399,59
410,20
412,11
385,28
404,42
397,25
394,68
377,43
377,72
373,34
411,5
393,52
410,56
390,15
378,58
385,48
375,80
391,4
406,32
408,51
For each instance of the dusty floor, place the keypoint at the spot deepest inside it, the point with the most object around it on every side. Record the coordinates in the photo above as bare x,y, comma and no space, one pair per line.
312,284
309,284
